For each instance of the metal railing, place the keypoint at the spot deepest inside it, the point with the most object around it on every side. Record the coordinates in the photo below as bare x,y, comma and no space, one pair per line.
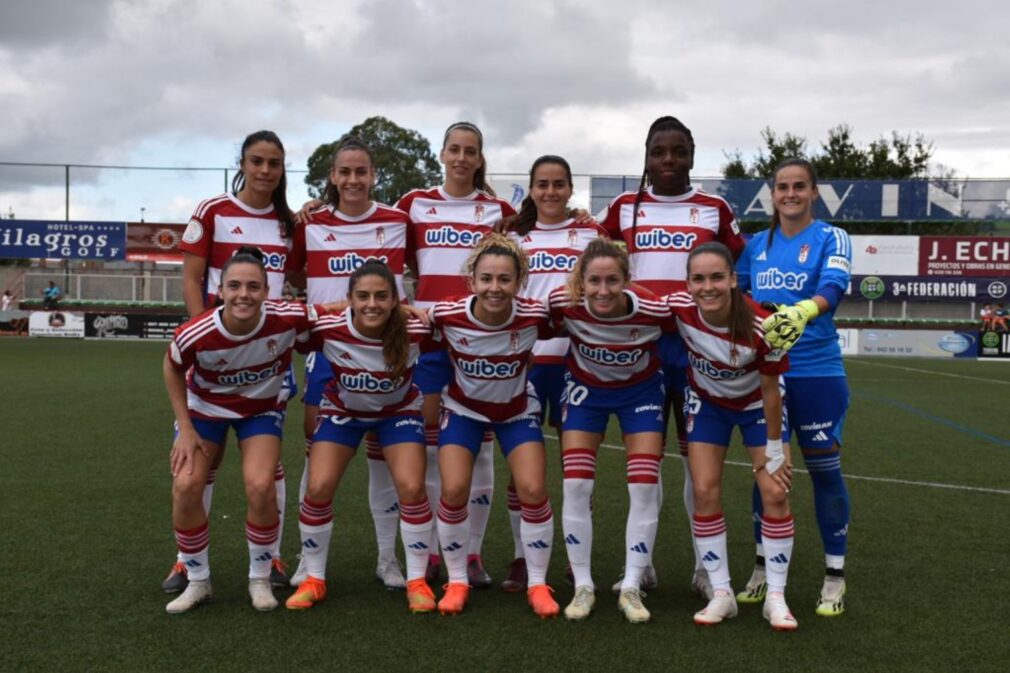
147,286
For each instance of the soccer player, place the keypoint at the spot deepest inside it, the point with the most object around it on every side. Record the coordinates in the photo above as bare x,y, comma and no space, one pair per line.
612,367
372,349
735,382
255,213
661,222
490,335
553,242
338,237
225,368
803,265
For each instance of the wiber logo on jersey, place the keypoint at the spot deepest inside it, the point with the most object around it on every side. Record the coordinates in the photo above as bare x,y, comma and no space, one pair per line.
274,261
541,260
774,279
365,382
712,371
245,377
605,356
658,239
448,237
349,263
485,369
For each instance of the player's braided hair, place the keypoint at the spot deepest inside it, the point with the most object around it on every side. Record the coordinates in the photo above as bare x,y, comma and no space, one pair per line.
598,247
480,175
785,163
666,123
527,216
395,341
279,197
348,142
499,244
741,315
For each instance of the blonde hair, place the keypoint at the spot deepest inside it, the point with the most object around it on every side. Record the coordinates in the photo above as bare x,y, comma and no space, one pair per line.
598,247
500,244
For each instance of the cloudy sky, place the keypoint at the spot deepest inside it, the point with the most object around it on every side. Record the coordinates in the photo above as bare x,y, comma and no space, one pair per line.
180,82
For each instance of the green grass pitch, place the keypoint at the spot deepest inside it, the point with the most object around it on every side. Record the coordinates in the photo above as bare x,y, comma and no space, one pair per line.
84,511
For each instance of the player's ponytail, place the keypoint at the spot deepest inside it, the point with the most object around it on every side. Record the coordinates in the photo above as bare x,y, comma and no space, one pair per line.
741,315
598,247
785,163
279,196
395,340
480,175
527,217
348,142
499,244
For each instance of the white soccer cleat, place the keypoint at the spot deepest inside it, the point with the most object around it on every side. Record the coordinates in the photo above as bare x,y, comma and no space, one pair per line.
702,585
390,573
777,613
755,589
301,573
582,603
262,594
197,592
648,582
630,603
720,608
832,600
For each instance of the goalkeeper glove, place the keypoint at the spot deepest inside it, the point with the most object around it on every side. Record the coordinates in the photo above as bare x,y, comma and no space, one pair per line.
785,327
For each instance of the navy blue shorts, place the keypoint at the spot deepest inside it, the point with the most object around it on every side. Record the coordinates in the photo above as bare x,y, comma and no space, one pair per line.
638,408
549,382
318,373
389,430
817,409
432,372
267,423
713,424
469,432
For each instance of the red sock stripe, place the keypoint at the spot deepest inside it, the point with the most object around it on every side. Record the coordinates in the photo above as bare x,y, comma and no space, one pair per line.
279,472
512,498
538,513
431,435
194,540
682,444
260,535
211,476
417,512
579,464
488,436
450,514
708,526
315,513
373,451
643,468
777,528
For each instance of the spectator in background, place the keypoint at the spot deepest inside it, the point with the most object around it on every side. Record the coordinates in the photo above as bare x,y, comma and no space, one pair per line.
987,317
999,319
7,303
50,296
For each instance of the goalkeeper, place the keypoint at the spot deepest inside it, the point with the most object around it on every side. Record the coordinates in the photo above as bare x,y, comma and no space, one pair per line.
802,266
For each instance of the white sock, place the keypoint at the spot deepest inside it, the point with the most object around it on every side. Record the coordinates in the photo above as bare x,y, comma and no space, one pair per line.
515,521
382,500
261,541
194,551
537,530
432,479
643,516
834,562
281,489
208,492
778,535
416,522
481,492
579,467
689,508
303,485
710,536
315,522
453,534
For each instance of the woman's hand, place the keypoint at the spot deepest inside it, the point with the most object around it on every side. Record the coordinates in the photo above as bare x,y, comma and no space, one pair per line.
184,449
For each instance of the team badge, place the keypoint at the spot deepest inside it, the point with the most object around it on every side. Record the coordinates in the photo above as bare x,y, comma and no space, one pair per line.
573,237
380,235
272,348
478,212
193,233
635,334
804,253
514,341
694,215
734,358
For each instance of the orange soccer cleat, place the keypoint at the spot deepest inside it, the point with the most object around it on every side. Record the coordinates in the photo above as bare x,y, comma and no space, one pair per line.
308,593
456,594
420,597
543,604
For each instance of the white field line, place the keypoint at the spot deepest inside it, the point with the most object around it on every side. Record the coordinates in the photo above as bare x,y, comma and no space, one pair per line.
927,371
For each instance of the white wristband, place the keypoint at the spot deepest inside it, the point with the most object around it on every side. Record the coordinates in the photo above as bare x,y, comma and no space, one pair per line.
776,456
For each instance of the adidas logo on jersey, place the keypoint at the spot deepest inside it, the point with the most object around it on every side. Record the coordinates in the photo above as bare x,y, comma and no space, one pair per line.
431,211
641,213
237,231
330,238
820,437
221,363
463,342
763,257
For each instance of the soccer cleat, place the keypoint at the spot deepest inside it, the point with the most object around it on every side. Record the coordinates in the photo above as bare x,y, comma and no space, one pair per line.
543,604
454,600
756,588
720,608
777,613
308,593
301,573
279,574
433,573
516,580
701,584
476,575
176,580
648,582
197,592
832,600
390,572
262,594
630,603
420,597
582,603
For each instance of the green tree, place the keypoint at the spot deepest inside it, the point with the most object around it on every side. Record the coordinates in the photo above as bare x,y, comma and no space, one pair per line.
403,160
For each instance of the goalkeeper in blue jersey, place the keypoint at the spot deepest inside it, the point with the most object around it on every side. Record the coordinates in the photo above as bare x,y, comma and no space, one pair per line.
802,265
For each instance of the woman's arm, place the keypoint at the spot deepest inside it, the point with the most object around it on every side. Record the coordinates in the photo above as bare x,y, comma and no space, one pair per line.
194,268
187,442
776,457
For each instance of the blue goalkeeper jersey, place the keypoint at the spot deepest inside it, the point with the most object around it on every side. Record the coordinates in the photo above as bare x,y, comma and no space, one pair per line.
795,269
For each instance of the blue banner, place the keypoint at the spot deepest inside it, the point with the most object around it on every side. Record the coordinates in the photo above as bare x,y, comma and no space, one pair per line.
850,199
928,288
26,239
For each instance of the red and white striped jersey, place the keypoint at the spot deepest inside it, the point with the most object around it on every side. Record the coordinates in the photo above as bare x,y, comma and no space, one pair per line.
230,376
721,371
553,250
362,386
667,230
489,362
331,246
612,352
445,229
221,225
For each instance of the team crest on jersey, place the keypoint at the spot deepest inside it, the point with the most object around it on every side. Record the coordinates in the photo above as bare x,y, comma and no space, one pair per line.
635,334
272,347
734,358
380,235
804,253
514,341
478,212
193,233
573,237
693,215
